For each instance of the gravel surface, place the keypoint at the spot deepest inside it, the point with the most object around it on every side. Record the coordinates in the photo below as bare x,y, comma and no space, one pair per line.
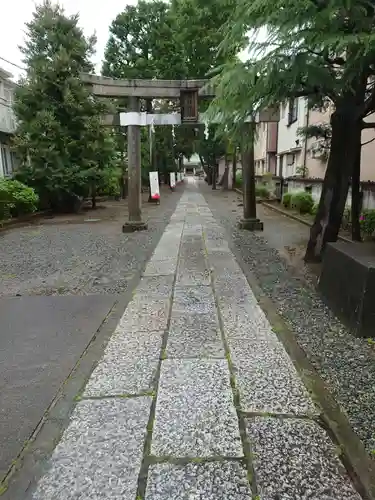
70,256
344,362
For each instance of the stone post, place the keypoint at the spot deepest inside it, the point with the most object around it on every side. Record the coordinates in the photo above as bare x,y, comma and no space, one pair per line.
249,220
135,222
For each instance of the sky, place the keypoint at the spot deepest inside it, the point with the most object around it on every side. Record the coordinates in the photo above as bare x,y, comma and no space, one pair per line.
95,16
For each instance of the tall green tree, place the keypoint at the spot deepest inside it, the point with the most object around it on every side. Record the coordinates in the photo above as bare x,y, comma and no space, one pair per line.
142,44
63,147
314,48
169,41
198,32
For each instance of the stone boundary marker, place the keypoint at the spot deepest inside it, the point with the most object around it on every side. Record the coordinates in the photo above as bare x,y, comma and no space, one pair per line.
195,397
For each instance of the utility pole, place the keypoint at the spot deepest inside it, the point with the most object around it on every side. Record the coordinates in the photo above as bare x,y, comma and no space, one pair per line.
135,222
249,220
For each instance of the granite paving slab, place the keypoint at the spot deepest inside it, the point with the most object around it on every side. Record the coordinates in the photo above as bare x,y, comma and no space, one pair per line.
128,366
233,290
189,277
295,459
245,320
203,481
100,453
223,264
267,380
193,230
161,267
195,414
194,300
156,286
195,251
195,335
145,313
165,255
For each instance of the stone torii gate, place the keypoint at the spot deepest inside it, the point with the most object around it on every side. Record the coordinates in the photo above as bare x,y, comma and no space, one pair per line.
188,91
185,90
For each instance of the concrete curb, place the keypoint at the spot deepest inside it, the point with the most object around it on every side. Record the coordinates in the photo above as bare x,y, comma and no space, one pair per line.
292,216
298,219
21,221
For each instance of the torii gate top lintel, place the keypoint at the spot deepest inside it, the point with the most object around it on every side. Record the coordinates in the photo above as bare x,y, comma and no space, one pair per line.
169,89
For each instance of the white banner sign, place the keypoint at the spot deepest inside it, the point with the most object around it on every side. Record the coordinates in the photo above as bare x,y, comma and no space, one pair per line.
172,177
154,185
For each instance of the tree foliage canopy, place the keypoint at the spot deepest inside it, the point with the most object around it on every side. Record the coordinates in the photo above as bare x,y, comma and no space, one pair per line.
312,48
63,146
318,49
169,41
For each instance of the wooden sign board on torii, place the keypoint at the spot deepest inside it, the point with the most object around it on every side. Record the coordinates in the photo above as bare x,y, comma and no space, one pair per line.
187,91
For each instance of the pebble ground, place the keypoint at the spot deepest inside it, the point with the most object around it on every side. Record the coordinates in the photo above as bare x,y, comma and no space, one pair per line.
346,363
183,410
72,255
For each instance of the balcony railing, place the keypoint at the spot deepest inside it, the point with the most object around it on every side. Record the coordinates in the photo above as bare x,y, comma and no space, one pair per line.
7,118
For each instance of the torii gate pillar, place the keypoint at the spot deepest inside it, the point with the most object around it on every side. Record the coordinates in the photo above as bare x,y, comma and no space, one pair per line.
135,222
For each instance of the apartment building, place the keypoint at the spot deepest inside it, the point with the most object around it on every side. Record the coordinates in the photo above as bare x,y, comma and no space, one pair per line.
7,124
265,148
297,156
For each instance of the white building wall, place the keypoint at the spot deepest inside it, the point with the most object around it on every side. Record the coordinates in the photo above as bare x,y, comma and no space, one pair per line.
290,145
7,124
7,118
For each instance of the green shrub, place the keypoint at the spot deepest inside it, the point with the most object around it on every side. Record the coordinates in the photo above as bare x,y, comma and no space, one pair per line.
110,184
302,201
239,178
286,199
346,220
367,221
262,192
314,209
16,199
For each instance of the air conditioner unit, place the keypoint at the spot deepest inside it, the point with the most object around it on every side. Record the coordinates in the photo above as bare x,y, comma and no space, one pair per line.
318,149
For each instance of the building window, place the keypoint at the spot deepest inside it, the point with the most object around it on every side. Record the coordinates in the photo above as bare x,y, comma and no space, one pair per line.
5,160
293,111
14,161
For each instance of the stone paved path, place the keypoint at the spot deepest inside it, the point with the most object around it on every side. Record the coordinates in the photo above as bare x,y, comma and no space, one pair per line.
195,398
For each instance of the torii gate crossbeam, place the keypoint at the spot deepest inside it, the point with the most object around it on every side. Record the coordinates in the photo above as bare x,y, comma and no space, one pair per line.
171,89
135,90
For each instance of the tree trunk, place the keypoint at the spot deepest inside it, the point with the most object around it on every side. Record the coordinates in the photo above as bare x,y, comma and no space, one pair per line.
226,174
356,193
234,169
335,186
93,196
206,168
214,177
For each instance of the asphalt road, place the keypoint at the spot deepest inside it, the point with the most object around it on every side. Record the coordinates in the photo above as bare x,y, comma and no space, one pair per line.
59,279
41,339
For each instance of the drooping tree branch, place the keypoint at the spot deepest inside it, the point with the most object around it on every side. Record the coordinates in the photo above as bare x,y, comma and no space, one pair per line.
368,125
368,142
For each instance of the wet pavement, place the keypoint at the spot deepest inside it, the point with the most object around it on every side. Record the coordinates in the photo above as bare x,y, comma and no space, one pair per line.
195,396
